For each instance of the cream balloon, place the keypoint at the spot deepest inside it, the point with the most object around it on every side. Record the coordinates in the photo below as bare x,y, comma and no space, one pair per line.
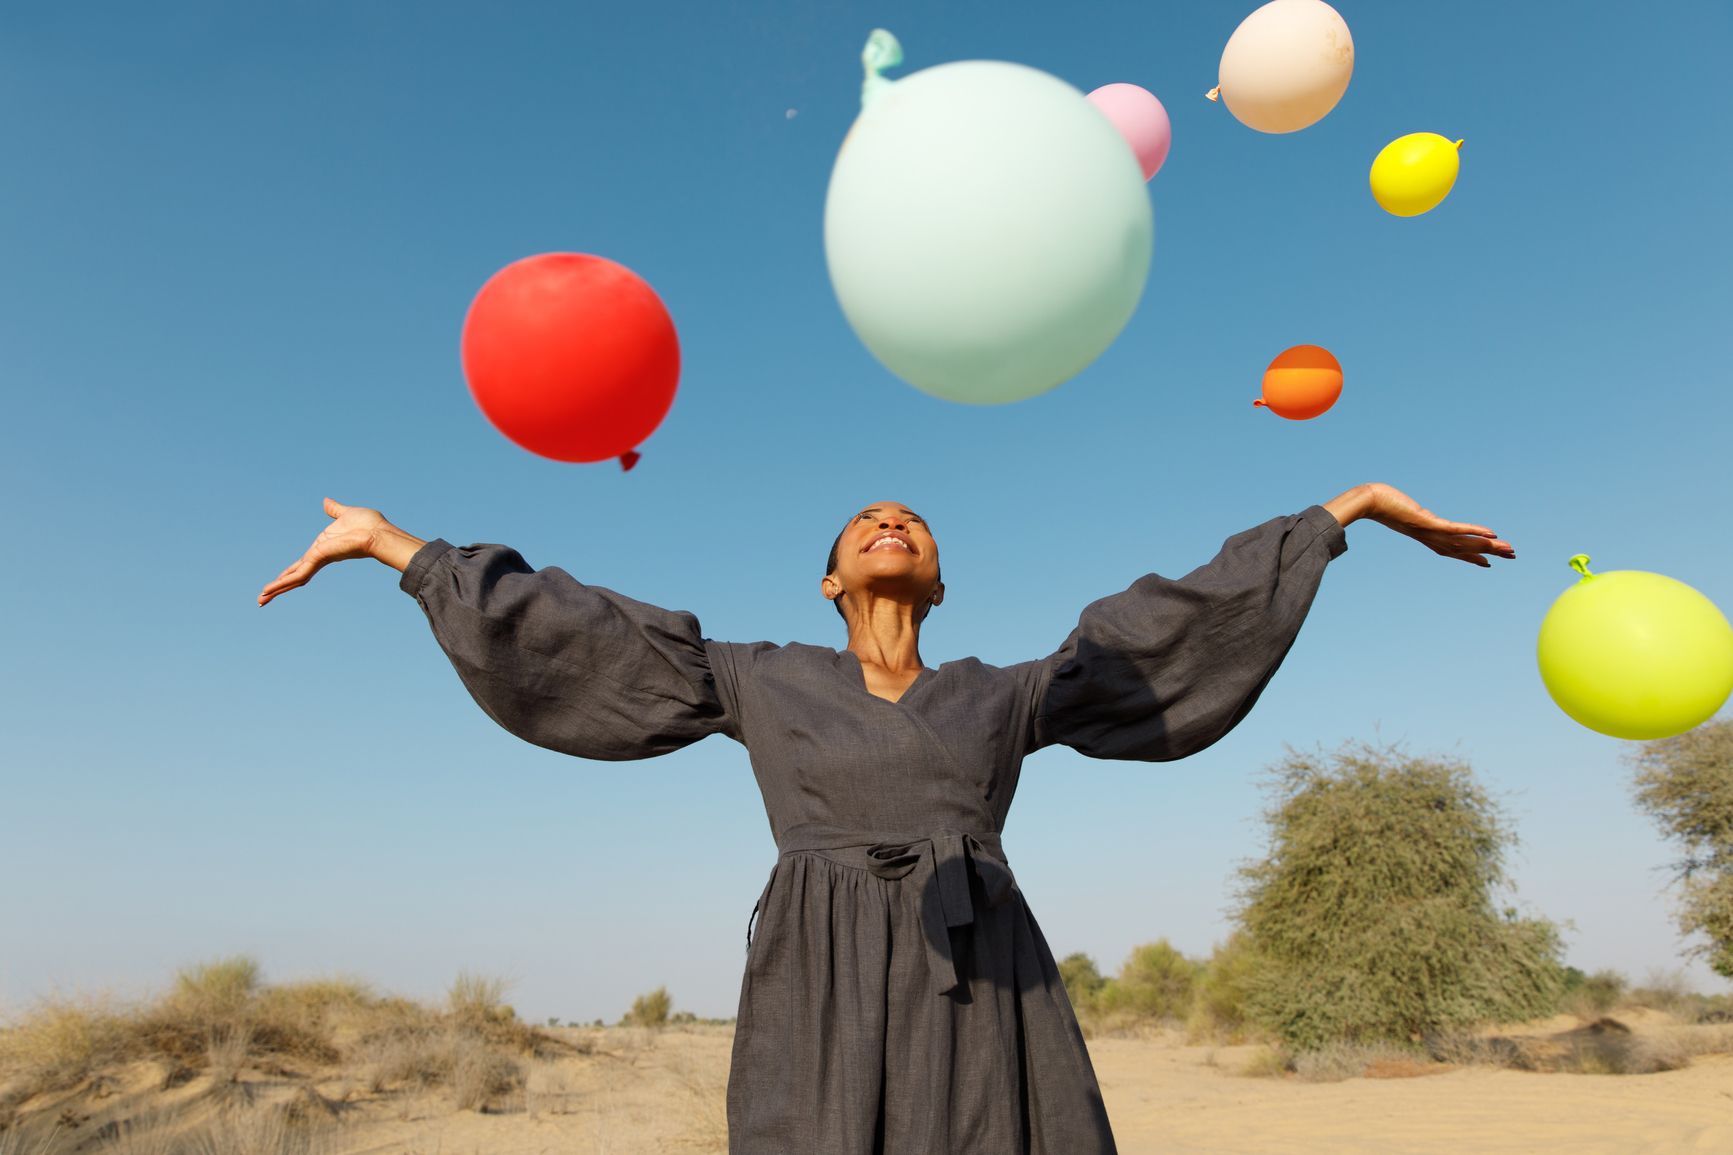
1286,65
988,232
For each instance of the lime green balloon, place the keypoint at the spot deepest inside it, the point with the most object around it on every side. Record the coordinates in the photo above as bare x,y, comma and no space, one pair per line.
1635,655
988,232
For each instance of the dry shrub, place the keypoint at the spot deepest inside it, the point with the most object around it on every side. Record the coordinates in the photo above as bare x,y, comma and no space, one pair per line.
1338,1061
410,1058
479,1073
475,1070
226,1056
301,1020
214,993
59,1043
226,998
477,1005
477,1000
219,1019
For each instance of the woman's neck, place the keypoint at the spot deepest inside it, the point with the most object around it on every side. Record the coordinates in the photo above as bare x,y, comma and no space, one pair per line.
884,633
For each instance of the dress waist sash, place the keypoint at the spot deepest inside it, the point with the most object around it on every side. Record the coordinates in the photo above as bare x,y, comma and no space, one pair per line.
935,864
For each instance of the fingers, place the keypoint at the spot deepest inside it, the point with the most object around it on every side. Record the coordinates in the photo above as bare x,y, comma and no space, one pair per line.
301,572
1474,551
296,576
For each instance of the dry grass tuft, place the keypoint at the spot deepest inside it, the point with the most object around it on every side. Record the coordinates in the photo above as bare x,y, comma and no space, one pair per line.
1338,1061
219,1022
233,1131
60,1043
478,1073
481,1075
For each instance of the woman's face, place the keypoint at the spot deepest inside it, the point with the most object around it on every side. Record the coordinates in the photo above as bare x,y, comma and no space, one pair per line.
889,548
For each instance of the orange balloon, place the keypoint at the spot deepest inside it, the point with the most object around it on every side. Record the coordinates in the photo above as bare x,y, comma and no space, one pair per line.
1301,383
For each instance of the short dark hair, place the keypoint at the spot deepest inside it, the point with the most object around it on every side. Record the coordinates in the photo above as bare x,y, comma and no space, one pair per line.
830,568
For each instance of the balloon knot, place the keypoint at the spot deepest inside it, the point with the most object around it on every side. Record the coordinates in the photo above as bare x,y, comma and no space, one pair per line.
1459,144
1214,93
1580,563
1260,401
628,459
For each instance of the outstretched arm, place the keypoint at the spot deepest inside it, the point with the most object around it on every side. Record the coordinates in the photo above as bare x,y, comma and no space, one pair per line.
355,532
1389,506
1169,666
568,666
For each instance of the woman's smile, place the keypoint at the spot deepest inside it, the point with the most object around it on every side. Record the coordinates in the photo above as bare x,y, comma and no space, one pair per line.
890,540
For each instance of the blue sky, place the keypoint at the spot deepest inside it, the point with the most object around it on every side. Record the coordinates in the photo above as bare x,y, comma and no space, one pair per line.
238,243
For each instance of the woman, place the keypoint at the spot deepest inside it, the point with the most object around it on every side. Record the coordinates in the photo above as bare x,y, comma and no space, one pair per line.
898,996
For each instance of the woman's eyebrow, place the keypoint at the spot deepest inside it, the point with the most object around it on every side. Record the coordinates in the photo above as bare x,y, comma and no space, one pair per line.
906,512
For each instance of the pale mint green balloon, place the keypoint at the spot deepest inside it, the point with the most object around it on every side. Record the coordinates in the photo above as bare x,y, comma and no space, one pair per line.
987,229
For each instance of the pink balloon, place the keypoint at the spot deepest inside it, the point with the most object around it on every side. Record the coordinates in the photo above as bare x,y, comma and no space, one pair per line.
1140,119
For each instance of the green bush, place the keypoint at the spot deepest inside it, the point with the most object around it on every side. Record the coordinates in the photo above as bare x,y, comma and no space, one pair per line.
1685,784
1221,998
1591,996
650,1010
1082,981
1373,912
1155,983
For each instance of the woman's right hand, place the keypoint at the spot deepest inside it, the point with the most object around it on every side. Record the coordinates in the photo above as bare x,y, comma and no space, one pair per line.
350,535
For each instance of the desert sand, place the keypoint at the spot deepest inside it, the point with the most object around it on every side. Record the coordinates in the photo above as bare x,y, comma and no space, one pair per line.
641,1090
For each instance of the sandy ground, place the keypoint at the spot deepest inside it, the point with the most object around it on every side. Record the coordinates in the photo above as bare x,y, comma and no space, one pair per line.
651,1092
1168,1099
648,1094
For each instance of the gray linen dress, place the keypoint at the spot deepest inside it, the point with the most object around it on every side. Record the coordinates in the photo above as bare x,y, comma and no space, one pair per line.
898,996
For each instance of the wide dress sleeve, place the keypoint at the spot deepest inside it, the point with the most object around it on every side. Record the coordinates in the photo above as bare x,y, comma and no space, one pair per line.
1166,668
570,667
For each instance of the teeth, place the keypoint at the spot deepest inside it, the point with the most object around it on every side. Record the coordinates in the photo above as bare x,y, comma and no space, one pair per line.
887,541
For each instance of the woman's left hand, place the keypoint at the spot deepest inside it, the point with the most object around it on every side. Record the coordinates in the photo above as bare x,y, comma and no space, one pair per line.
1389,506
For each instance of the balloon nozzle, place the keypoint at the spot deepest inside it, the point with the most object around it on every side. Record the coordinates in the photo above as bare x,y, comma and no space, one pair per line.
628,459
1580,563
1459,144
882,51
1261,401
1214,93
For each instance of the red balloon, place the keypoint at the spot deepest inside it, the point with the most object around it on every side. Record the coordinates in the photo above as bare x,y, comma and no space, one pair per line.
571,356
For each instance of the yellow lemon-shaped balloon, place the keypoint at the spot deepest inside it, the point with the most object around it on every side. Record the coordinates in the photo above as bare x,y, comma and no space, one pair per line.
1414,172
1635,655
